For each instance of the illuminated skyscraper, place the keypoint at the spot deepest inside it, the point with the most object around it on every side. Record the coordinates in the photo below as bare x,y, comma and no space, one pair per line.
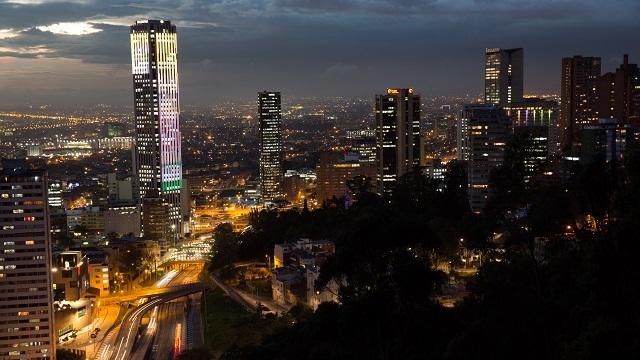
503,76
489,128
158,162
398,136
26,329
619,94
270,128
578,97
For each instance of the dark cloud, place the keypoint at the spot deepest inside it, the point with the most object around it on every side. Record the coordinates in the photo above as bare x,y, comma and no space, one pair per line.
230,48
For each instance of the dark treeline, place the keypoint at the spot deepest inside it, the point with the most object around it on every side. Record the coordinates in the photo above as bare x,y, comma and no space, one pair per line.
562,283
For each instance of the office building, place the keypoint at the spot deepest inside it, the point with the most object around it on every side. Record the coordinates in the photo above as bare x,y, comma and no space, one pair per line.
578,97
535,148
618,94
335,170
363,142
155,220
399,142
158,162
534,112
606,141
26,329
120,190
55,194
462,136
122,220
435,169
489,130
270,133
503,76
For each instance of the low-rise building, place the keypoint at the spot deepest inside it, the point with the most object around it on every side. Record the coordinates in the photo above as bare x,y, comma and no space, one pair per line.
122,220
296,270
99,275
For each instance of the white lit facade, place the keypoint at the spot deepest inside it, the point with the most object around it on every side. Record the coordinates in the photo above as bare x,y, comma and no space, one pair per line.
270,132
158,161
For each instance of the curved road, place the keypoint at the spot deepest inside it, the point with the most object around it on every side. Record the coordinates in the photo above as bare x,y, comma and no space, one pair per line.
130,325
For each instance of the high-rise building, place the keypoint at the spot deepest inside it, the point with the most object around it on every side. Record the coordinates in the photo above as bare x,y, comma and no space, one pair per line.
270,132
535,149
578,97
534,112
399,142
26,329
489,130
363,142
462,136
618,94
155,220
503,76
158,161
606,140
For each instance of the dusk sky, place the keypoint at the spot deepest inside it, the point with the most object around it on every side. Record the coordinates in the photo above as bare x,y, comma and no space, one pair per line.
77,51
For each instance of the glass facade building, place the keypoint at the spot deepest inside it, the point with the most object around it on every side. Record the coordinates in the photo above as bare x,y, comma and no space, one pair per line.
503,76
158,162
399,142
270,133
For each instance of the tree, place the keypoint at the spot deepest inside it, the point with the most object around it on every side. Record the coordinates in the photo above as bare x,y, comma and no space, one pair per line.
225,246
195,354
64,354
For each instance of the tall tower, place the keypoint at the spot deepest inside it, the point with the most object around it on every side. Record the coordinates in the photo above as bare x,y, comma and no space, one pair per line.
399,147
270,128
25,275
578,97
619,94
158,162
503,76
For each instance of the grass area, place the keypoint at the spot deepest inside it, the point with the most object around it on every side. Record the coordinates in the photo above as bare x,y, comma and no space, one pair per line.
263,287
229,324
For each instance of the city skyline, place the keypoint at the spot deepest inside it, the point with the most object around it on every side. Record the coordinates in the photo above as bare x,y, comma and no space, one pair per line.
233,48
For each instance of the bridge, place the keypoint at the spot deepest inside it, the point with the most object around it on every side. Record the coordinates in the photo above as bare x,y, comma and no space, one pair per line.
192,253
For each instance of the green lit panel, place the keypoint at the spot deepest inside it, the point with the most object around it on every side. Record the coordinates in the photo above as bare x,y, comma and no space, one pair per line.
169,185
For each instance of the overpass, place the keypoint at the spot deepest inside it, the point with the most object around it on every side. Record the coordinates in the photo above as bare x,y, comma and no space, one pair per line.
193,253
128,331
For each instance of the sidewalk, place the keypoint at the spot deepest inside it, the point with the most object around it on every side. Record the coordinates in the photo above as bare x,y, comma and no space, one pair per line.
104,318
252,299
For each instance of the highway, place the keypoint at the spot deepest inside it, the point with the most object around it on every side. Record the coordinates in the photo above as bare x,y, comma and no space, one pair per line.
122,347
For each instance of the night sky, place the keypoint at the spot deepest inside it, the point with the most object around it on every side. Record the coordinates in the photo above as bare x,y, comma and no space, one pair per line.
77,51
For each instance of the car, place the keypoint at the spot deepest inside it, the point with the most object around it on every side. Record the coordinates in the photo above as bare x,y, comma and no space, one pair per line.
97,330
94,335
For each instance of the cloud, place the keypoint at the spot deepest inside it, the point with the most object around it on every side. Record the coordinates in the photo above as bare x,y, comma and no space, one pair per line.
8,33
232,47
25,51
70,28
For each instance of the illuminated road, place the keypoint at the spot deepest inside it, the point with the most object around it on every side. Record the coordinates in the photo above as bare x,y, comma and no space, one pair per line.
130,325
172,286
